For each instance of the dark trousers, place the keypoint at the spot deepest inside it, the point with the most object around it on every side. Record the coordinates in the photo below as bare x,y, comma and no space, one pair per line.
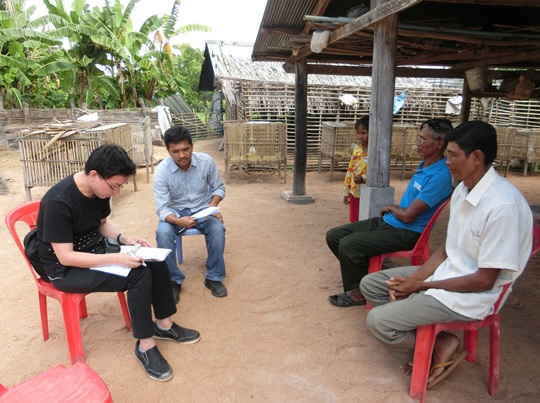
146,287
353,244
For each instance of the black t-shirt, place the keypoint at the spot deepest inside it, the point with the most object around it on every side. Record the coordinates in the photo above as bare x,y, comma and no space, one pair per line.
68,216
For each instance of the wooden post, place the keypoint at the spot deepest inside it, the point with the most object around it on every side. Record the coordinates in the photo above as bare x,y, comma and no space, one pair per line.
465,112
26,113
300,122
377,193
143,107
298,194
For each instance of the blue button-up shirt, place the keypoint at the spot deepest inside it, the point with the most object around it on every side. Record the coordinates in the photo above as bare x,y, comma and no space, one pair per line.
193,189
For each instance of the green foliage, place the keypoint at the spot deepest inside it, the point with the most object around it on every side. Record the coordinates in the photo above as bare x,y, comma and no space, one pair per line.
106,64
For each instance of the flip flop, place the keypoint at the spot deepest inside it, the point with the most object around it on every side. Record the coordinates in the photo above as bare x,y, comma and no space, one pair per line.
344,301
449,365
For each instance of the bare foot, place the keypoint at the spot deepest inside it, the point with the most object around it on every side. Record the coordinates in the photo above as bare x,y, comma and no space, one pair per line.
356,294
446,345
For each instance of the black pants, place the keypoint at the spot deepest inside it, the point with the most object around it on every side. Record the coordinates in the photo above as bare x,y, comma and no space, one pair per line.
146,287
353,244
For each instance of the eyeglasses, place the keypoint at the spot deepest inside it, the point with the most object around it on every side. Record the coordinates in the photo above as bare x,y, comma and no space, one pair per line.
115,188
422,140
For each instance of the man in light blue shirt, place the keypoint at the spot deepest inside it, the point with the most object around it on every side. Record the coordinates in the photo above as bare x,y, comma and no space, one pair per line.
185,183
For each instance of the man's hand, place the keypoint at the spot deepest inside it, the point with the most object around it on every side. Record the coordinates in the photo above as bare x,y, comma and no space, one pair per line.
402,287
186,222
219,217
346,200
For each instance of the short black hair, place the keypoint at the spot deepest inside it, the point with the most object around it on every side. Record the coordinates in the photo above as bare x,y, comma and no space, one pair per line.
476,135
363,121
109,160
176,134
438,128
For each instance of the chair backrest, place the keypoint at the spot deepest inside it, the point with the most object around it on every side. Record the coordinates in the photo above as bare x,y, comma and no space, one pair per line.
429,226
28,214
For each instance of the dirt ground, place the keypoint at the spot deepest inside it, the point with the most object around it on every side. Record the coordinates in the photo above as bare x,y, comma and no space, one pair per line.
275,338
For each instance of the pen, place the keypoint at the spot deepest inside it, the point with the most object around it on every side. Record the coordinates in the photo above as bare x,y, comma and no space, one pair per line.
134,250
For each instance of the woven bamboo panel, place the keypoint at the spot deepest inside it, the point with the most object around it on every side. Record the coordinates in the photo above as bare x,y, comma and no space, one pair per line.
505,141
527,145
402,151
338,140
45,162
257,145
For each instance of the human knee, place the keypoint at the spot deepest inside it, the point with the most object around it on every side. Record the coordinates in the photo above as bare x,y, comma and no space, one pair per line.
165,231
366,284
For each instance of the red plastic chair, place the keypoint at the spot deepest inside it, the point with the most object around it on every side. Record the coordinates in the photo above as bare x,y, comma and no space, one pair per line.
73,305
418,255
76,384
426,335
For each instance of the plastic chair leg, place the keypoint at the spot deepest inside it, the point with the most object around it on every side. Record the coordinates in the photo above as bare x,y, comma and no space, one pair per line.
494,358
179,256
70,309
43,314
470,340
425,341
83,310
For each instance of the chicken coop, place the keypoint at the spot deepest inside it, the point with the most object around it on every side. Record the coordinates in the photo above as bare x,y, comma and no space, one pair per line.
51,153
337,142
255,145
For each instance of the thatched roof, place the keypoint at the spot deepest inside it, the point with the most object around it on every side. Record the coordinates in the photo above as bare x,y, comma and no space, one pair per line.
231,62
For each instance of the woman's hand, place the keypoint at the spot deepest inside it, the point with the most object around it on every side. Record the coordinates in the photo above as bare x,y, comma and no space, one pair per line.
133,240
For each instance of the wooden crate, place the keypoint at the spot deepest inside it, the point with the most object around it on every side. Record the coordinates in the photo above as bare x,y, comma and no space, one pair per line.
256,145
48,157
337,142
526,147
505,140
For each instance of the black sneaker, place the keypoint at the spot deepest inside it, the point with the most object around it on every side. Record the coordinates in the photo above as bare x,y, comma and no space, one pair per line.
155,366
176,288
178,334
216,287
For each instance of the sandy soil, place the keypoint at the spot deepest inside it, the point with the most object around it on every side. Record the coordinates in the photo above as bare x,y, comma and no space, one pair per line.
275,338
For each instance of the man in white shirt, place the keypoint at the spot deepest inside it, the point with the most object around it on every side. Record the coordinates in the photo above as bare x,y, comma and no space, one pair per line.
488,243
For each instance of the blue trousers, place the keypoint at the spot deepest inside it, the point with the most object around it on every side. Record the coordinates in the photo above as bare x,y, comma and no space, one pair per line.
214,235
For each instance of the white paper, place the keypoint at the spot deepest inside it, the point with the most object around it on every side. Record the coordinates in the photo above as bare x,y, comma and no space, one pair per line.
148,254
205,213
113,269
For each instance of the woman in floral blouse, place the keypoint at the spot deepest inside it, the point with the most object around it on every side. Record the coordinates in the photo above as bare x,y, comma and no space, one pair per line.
356,172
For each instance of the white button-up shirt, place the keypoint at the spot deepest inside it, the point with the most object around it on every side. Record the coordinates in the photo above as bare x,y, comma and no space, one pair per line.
489,227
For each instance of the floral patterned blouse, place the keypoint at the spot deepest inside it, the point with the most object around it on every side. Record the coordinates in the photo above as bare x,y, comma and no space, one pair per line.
357,166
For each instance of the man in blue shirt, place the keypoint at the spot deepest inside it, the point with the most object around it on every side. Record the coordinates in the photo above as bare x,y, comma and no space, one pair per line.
185,183
399,226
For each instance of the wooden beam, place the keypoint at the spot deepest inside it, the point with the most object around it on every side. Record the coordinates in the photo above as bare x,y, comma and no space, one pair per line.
367,71
371,17
510,3
280,31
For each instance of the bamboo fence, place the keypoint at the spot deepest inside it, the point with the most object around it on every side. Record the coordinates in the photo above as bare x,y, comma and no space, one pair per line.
255,146
50,155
